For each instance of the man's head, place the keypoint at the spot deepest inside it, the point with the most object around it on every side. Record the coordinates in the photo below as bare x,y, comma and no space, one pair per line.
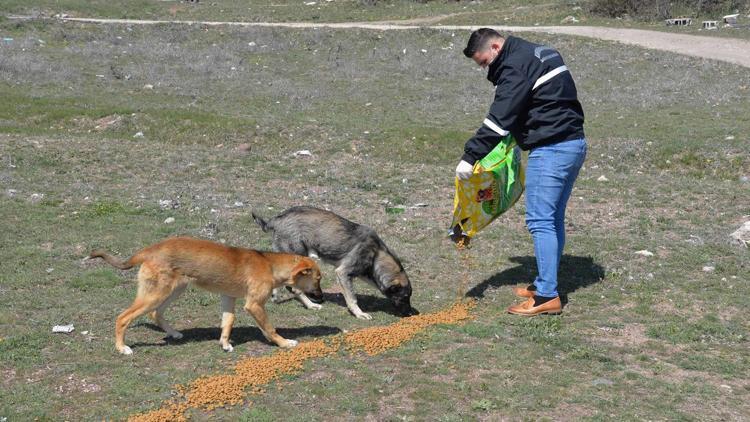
484,45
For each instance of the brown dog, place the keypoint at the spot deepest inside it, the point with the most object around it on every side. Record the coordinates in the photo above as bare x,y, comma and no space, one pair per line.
168,266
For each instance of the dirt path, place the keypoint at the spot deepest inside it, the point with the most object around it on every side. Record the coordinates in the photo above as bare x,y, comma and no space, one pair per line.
725,49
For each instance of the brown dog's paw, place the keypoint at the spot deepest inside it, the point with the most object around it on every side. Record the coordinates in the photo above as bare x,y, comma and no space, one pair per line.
288,344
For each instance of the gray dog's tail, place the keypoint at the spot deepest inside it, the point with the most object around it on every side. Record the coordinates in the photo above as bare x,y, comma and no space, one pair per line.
262,223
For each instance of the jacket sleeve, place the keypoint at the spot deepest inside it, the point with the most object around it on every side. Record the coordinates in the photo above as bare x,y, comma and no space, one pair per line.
511,98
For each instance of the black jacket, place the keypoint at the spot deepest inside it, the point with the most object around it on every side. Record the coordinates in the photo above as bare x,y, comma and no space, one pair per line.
535,100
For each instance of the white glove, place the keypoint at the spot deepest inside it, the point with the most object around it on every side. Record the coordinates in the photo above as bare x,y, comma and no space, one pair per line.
464,170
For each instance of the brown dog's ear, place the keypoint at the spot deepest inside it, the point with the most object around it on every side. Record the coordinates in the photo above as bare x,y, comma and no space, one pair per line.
302,268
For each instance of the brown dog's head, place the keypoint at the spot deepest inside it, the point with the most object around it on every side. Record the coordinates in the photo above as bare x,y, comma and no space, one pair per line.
305,276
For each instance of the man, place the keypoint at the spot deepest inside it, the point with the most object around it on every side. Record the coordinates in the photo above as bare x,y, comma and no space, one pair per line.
535,101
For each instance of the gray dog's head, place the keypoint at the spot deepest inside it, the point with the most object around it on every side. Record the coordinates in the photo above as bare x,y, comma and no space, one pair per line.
399,292
393,282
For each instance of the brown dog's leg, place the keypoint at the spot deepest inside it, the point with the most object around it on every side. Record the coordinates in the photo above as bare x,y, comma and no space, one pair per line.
154,287
158,314
227,319
139,307
299,295
259,313
307,303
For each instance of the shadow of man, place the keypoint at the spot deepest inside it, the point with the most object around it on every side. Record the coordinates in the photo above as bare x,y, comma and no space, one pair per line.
575,272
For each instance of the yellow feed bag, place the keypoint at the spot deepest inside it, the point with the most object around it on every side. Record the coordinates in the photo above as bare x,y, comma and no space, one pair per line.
495,186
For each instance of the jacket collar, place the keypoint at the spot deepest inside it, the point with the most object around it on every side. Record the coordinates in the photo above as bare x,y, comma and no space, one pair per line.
493,70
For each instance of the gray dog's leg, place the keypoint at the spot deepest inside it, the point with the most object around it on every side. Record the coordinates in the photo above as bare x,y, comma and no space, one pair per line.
349,297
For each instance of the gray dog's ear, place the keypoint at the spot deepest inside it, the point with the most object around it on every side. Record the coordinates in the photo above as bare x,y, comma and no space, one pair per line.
259,221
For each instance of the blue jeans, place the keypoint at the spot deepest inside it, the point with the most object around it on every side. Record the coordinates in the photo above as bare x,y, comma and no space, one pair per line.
550,174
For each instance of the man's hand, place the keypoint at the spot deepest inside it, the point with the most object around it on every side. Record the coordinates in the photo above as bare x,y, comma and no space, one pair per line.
464,170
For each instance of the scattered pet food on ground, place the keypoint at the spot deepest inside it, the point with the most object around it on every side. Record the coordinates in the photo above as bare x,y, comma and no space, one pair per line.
250,374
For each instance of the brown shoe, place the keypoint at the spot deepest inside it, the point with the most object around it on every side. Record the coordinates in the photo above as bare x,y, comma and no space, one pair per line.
527,308
524,291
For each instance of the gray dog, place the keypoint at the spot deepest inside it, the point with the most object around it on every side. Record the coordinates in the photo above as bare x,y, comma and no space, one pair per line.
355,250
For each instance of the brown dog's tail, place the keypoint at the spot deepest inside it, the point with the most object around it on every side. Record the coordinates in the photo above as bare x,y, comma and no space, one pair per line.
116,262
262,223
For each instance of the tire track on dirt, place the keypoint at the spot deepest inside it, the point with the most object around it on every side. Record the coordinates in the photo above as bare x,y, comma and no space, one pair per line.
730,50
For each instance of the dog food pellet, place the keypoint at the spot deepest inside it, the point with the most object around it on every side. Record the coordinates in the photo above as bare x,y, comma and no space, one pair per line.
468,263
463,243
376,340
211,392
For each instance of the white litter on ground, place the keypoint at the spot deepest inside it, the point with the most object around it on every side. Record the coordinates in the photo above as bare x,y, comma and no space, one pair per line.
63,328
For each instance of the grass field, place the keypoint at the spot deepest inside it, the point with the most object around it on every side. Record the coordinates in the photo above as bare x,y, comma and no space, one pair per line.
107,131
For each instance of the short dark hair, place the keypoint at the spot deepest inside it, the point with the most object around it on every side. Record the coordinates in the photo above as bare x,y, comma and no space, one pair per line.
479,39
